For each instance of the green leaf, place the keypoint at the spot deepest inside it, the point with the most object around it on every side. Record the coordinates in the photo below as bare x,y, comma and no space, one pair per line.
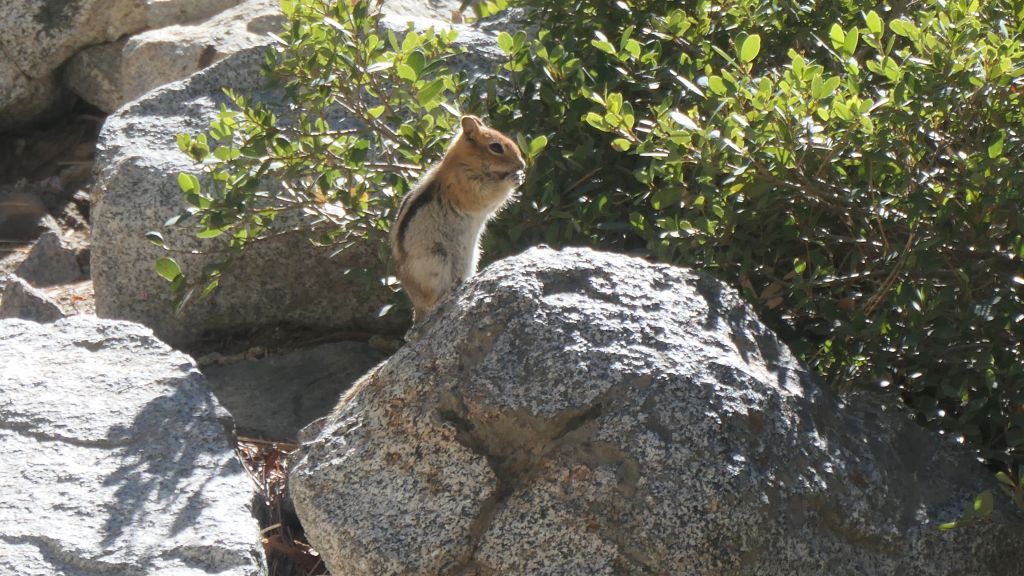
837,36
830,86
874,23
411,41
429,92
177,218
156,238
596,120
716,84
750,48
850,44
797,63
632,47
904,28
995,149
537,145
210,287
620,145
983,504
226,153
376,111
416,61
168,268
188,183
211,232
1005,479
603,46
406,72
378,66
614,102
683,120
505,42
821,89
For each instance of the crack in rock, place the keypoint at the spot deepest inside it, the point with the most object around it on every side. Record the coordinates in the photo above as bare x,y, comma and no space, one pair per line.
515,442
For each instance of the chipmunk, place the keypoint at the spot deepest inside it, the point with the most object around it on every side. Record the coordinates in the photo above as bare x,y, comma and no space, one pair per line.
435,240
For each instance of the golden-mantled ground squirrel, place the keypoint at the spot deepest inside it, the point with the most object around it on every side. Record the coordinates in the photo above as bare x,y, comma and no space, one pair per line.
435,240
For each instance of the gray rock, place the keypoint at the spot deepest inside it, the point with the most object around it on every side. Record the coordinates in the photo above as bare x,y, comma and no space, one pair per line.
108,75
116,458
160,13
38,36
275,397
21,300
440,10
577,412
285,280
161,56
94,74
25,98
50,262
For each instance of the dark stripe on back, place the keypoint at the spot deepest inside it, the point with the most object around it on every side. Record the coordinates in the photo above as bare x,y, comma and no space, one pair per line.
418,202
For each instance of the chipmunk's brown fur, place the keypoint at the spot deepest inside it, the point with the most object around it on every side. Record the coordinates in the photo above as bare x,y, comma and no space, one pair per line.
435,238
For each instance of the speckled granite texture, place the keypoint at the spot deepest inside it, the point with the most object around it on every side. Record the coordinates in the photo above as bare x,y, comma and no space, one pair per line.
578,412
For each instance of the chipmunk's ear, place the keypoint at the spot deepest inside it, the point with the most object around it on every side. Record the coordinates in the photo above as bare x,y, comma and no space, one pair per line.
470,125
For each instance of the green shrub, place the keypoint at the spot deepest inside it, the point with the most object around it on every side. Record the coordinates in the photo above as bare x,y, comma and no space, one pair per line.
272,169
860,180
856,173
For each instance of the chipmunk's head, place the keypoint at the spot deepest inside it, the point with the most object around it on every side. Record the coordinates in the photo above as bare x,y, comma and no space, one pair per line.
492,157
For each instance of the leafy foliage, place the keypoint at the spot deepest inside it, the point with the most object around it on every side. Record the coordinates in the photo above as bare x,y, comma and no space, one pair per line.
857,173
860,180
299,168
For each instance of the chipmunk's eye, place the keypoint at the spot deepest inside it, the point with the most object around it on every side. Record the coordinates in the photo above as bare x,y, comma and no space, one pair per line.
497,148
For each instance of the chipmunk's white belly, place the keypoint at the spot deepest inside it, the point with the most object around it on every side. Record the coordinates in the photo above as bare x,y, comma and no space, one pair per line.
443,245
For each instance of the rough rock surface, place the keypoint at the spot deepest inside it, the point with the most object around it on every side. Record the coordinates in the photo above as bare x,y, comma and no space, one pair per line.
584,413
116,459
95,75
286,280
275,397
50,262
160,13
108,75
432,9
38,36
18,299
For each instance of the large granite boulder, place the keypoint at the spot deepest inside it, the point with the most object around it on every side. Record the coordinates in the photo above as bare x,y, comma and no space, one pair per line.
117,458
108,75
286,280
38,36
577,412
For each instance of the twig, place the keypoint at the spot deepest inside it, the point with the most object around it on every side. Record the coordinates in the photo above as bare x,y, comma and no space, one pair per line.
878,297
